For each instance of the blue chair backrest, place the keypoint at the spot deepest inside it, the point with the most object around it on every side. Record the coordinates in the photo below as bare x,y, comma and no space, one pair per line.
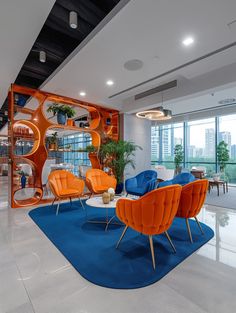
145,176
183,178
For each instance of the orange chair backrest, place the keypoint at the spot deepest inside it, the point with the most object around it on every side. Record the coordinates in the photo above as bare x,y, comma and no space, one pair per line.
192,198
59,180
153,213
97,177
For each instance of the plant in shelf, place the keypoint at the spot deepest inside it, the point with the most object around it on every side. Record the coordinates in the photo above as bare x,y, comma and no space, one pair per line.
118,155
91,149
62,111
52,141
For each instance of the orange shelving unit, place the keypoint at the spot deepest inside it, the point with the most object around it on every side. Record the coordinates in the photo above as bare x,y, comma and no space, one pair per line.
104,124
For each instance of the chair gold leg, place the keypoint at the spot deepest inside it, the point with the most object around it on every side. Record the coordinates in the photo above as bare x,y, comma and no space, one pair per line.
152,252
189,230
199,225
170,241
122,235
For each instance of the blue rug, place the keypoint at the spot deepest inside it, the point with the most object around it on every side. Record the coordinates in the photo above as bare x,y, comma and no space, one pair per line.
92,251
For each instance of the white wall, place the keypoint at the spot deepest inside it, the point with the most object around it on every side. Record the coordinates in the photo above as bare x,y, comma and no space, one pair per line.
138,131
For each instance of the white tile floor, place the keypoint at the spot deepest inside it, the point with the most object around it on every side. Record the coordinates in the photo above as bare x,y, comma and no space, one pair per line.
35,277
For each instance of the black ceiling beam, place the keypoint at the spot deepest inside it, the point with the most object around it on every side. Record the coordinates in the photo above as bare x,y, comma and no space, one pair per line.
58,40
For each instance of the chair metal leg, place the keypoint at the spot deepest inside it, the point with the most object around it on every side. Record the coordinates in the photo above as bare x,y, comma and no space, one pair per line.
152,252
189,230
53,201
58,205
170,241
199,225
122,235
70,202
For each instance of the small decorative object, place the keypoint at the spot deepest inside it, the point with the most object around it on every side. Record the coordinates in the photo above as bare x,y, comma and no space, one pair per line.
106,197
216,176
23,179
62,111
111,192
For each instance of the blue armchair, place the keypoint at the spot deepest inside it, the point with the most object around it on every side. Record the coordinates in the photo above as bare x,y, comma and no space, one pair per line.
180,179
142,183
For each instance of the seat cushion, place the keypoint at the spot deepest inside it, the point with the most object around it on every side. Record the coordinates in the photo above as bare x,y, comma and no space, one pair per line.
137,191
101,188
68,192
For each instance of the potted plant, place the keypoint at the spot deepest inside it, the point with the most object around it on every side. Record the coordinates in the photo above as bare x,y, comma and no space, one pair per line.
222,155
52,141
91,149
179,157
118,155
62,111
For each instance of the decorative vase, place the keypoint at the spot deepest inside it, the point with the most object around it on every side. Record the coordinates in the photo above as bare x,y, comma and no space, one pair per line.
119,188
70,122
216,177
106,197
52,146
23,181
61,118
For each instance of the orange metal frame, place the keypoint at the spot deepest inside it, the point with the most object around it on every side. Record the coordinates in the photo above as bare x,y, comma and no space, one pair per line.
39,124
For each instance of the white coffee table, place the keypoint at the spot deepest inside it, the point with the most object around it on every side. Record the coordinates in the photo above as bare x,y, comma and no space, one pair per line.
98,203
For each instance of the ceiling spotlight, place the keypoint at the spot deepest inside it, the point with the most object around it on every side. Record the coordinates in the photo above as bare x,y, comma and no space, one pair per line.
82,93
42,56
110,82
188,41
73,19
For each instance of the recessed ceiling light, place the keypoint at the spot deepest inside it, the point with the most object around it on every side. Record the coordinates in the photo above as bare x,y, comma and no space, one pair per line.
188,41
73,20
42,56
82,93
110,82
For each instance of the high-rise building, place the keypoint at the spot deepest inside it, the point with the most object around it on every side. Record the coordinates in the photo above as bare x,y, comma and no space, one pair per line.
209,142
155,143
166,142
233,152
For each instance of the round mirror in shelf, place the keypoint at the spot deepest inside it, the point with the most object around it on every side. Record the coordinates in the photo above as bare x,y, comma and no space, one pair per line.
26,138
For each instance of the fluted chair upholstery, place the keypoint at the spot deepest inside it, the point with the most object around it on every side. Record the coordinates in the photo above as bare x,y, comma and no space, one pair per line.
98,181
142,183
151,214
180,179
65,185
192,199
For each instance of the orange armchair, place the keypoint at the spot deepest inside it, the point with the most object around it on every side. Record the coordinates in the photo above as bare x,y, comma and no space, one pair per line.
64,185
98,181
192,199
152,214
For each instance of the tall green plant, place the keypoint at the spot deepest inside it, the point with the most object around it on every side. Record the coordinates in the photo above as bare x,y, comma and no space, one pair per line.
179,157
118,155
222,154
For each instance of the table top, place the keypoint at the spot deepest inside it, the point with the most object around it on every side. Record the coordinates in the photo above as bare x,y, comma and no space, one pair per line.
221,181
97,202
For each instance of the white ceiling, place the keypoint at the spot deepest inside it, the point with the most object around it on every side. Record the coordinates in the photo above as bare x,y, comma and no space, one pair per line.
20,24
152,31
